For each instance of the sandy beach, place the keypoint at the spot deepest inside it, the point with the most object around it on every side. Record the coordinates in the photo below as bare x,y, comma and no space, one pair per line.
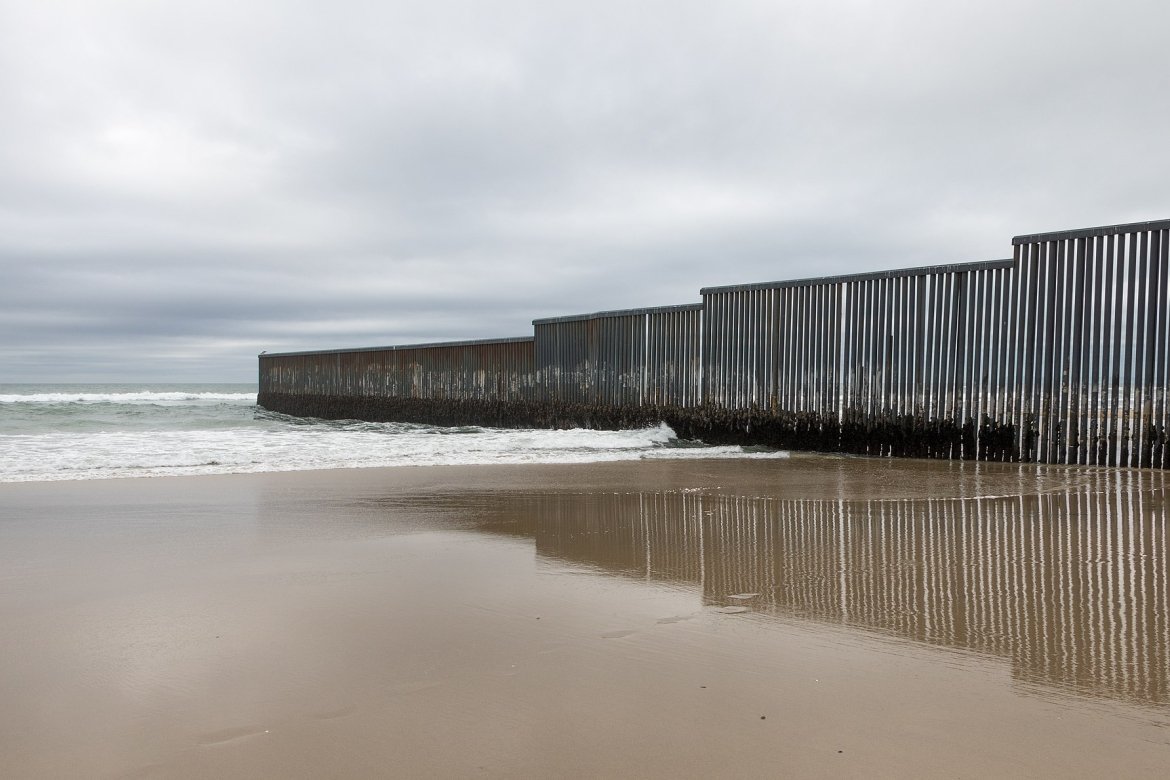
808,617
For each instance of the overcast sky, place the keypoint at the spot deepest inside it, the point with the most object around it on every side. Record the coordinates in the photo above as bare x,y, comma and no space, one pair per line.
185,184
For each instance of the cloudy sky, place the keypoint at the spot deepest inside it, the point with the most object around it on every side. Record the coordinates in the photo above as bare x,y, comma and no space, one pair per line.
185,184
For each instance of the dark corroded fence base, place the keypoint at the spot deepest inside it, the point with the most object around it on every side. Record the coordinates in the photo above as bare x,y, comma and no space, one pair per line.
888,435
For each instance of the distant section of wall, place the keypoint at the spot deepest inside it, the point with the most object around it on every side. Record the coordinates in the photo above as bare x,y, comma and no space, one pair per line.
490,369
622,358
1058,355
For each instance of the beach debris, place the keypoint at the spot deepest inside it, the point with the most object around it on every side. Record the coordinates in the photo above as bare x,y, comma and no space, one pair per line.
732,610
743,596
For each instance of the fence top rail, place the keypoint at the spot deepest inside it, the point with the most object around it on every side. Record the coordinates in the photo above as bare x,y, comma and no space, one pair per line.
926,270
619,313
401,347
1105,230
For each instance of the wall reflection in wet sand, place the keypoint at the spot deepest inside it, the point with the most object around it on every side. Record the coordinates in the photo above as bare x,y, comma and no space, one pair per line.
1070,586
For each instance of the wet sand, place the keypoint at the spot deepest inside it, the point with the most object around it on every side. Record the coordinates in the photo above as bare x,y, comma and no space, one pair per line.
811,617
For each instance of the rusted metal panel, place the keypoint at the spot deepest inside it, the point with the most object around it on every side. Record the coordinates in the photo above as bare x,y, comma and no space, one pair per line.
502,369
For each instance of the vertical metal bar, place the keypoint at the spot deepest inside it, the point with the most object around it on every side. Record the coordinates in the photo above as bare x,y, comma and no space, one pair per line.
885,301
902,330
1005,339
1061,373
991,327
971,283
1076,310
1126,377
972,335
904,351
727,350
763,333
797,348
1058,373
905,348
740,333
799,315
1143,358
1048,415
950,350
742,330
822,343
885,358
805,349
1108,319
825,337
730,360
880,372
792,348
770,381
817,337
1030,355
918,370
1158,303
950,332
710,337
851,327
863,354
705,349
764,349
784,351
811,355
1015,388
1116,393
864,359
1092,371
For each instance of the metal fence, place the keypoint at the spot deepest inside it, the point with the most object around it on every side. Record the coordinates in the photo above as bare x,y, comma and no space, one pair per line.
1064,346
1090,335
897,341
496,369
632,357
1057,355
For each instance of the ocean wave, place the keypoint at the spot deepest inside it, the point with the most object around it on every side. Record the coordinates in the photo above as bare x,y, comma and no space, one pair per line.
143,397
275,446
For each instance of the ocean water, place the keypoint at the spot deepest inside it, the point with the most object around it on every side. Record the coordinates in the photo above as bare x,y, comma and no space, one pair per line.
99,431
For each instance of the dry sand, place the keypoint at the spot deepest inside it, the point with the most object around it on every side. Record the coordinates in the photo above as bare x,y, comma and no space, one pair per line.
810,617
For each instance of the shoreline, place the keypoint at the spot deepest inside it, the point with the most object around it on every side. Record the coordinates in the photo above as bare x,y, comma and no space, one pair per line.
974,478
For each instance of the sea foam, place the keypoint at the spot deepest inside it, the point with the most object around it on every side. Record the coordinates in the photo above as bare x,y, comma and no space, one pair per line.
95,432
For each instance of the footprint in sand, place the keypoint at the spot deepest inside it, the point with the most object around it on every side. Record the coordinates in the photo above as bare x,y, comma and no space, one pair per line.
230,735
412,687
334,714
153,770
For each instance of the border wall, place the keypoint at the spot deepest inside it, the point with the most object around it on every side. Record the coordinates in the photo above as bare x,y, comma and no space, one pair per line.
1057,355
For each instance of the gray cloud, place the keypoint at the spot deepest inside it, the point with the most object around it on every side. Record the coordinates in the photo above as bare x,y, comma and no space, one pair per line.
183,185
